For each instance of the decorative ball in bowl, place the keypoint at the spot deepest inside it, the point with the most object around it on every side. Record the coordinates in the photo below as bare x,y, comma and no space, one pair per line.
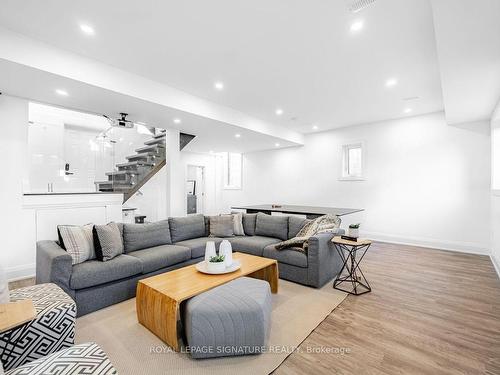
216,264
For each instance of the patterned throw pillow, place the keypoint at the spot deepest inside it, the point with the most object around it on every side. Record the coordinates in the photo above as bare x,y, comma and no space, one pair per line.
77,241
108,241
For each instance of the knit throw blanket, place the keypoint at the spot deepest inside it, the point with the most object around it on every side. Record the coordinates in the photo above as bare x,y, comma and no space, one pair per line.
322,224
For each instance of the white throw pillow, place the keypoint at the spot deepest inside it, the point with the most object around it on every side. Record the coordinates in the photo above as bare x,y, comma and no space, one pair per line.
4,287
78,242
238,224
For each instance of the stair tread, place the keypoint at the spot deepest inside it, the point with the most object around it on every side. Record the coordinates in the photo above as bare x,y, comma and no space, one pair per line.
134,163
155,141
114,183
143,155
114,173
148,148
159,136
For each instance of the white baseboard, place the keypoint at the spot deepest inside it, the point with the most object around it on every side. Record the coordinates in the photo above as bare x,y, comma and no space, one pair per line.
463,247
496,264
20,272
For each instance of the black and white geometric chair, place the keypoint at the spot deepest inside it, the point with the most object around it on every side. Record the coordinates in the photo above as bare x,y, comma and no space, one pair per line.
82,359
52,330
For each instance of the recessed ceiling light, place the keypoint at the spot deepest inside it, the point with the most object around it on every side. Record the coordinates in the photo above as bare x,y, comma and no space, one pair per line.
278,111
357,26
315,127
407,110
177,120
277,144
62,92
87,29
391,82
237,135
219,86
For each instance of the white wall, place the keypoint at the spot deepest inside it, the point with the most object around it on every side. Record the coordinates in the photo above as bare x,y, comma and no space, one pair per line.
427,183
495,193
17,227
153,201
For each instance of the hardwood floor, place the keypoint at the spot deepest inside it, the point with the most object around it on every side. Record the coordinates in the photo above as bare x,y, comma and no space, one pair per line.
21,283
429,312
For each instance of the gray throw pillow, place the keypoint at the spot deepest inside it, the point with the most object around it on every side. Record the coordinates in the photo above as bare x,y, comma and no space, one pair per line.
272,226
221,226
142,236
249,224
185,228
108,241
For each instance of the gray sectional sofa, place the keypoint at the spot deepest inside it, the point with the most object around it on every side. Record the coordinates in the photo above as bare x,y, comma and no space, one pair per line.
155,248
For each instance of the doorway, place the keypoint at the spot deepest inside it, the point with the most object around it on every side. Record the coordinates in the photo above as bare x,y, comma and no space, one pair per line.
195,189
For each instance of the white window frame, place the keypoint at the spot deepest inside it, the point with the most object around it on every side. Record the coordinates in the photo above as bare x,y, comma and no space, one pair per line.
345,176
226,171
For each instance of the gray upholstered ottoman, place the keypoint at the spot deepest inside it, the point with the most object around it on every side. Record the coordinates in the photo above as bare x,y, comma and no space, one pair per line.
232,319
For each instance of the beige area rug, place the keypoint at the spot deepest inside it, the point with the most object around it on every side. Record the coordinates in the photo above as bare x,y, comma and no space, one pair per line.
297,311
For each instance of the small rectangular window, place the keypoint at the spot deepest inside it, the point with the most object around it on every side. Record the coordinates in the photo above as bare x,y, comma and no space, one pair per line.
232,163
352,161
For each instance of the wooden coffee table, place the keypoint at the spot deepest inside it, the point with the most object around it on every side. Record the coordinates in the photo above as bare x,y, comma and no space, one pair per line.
159,297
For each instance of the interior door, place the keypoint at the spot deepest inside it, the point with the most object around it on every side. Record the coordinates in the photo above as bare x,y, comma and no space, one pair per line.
78,171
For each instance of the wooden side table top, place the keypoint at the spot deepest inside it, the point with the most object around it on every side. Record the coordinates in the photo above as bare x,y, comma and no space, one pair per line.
340,240
14,314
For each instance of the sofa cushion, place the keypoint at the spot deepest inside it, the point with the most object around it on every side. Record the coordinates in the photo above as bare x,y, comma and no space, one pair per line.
271,226
249,224
158,257
295,224
94,272
197,245
252,244
142,236
185,228
287,256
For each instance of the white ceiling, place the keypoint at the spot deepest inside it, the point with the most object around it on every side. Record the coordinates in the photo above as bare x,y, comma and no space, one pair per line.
212,135
468,40
293,54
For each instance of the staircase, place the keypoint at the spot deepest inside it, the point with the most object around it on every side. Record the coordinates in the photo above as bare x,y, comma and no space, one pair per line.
140,167
130,176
